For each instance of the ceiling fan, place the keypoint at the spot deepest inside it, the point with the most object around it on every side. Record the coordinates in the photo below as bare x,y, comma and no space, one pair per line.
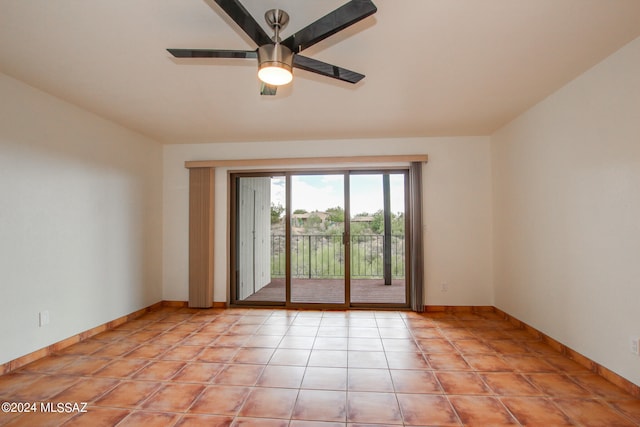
276,57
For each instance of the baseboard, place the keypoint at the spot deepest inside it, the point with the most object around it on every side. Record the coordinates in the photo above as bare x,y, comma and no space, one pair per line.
176,304
14,364
579,358
584,361
458,308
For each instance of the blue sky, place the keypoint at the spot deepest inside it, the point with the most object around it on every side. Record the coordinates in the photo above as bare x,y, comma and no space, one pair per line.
319,192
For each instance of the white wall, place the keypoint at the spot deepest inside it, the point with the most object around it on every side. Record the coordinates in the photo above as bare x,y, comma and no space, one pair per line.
566,182
80,220
457,202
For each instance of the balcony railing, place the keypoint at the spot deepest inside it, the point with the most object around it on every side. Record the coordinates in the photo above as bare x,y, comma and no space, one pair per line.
322,256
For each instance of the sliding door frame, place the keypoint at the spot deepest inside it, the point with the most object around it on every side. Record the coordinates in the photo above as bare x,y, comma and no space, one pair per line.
234,176
233,238
407,255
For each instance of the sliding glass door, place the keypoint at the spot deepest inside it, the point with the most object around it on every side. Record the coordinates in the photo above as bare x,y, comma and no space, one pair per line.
377,224
317,231
319,239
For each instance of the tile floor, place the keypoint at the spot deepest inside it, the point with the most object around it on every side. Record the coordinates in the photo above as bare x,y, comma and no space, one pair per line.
263,367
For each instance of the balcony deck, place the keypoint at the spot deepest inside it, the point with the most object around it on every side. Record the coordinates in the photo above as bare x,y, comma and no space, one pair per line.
331,291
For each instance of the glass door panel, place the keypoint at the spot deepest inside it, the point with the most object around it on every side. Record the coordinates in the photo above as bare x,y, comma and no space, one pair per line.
317,253
260,239
377,228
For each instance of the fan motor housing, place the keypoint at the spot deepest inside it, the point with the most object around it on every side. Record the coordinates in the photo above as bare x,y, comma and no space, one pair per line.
276,55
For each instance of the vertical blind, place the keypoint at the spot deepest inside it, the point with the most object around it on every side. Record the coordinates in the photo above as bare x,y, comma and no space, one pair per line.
416,272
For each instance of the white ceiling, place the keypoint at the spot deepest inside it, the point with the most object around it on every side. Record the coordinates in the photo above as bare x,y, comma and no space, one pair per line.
433,67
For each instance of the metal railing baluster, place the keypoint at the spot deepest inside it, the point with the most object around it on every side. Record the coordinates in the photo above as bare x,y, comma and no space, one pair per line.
322,256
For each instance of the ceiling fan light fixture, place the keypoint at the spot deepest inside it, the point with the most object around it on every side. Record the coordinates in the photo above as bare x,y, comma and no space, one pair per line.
275,64
277,57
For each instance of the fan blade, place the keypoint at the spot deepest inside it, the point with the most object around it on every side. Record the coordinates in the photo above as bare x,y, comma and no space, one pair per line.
266,89
240,16
212,53
319,67
339,19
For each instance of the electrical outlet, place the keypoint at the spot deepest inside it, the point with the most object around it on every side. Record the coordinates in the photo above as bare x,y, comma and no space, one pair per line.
43,318
634,345
444,287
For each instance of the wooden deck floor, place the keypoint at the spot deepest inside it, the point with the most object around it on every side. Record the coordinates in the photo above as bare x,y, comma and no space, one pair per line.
331,291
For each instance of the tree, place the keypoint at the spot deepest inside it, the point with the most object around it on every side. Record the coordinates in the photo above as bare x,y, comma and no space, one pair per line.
336,214
358,228
300,211
276,213
314,222
377,225
397,224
